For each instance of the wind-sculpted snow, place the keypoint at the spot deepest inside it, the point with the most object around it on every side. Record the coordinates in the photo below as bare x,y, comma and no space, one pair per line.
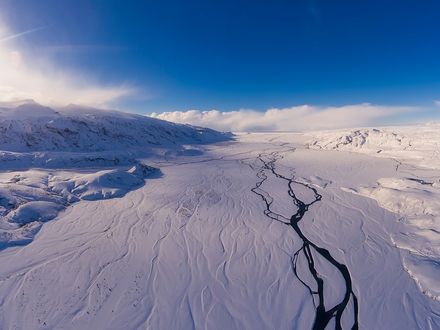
195,247
418,203
80,154
413,192
30,198
372,140
417,145
308,250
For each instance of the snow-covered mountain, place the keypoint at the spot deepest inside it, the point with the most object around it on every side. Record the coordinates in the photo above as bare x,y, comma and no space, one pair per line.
417,144
81,154
368,139
33,127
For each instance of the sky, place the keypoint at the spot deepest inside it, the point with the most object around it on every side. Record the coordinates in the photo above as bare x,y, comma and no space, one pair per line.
215,63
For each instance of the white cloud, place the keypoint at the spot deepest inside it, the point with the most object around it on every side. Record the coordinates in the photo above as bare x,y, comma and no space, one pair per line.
22,76
437,103
299,118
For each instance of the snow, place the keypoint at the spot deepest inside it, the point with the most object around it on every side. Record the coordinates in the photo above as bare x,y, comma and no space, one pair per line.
413,192
52,158
419,206
34,211
417,145
173,237
32,127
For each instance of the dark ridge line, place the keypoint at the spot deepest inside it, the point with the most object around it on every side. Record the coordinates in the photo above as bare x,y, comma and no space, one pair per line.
421,181
322,316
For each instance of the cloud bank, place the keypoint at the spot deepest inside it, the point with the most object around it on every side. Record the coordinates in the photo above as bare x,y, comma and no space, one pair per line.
298,118
23,76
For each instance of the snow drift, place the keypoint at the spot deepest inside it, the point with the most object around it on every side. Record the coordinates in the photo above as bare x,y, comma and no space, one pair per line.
81,154
413,193
197,249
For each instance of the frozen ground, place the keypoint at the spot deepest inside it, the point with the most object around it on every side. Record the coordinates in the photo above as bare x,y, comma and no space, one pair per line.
413,192
52,158
416,145
262,232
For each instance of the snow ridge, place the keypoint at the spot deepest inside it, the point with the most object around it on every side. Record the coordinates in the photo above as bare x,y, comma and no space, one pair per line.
80,154
413,194
32,127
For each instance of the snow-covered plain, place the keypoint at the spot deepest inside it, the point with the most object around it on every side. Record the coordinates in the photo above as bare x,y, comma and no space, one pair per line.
52,158
413,192
266,231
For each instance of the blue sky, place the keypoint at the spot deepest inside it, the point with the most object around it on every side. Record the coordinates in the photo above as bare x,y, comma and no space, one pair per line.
227,55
